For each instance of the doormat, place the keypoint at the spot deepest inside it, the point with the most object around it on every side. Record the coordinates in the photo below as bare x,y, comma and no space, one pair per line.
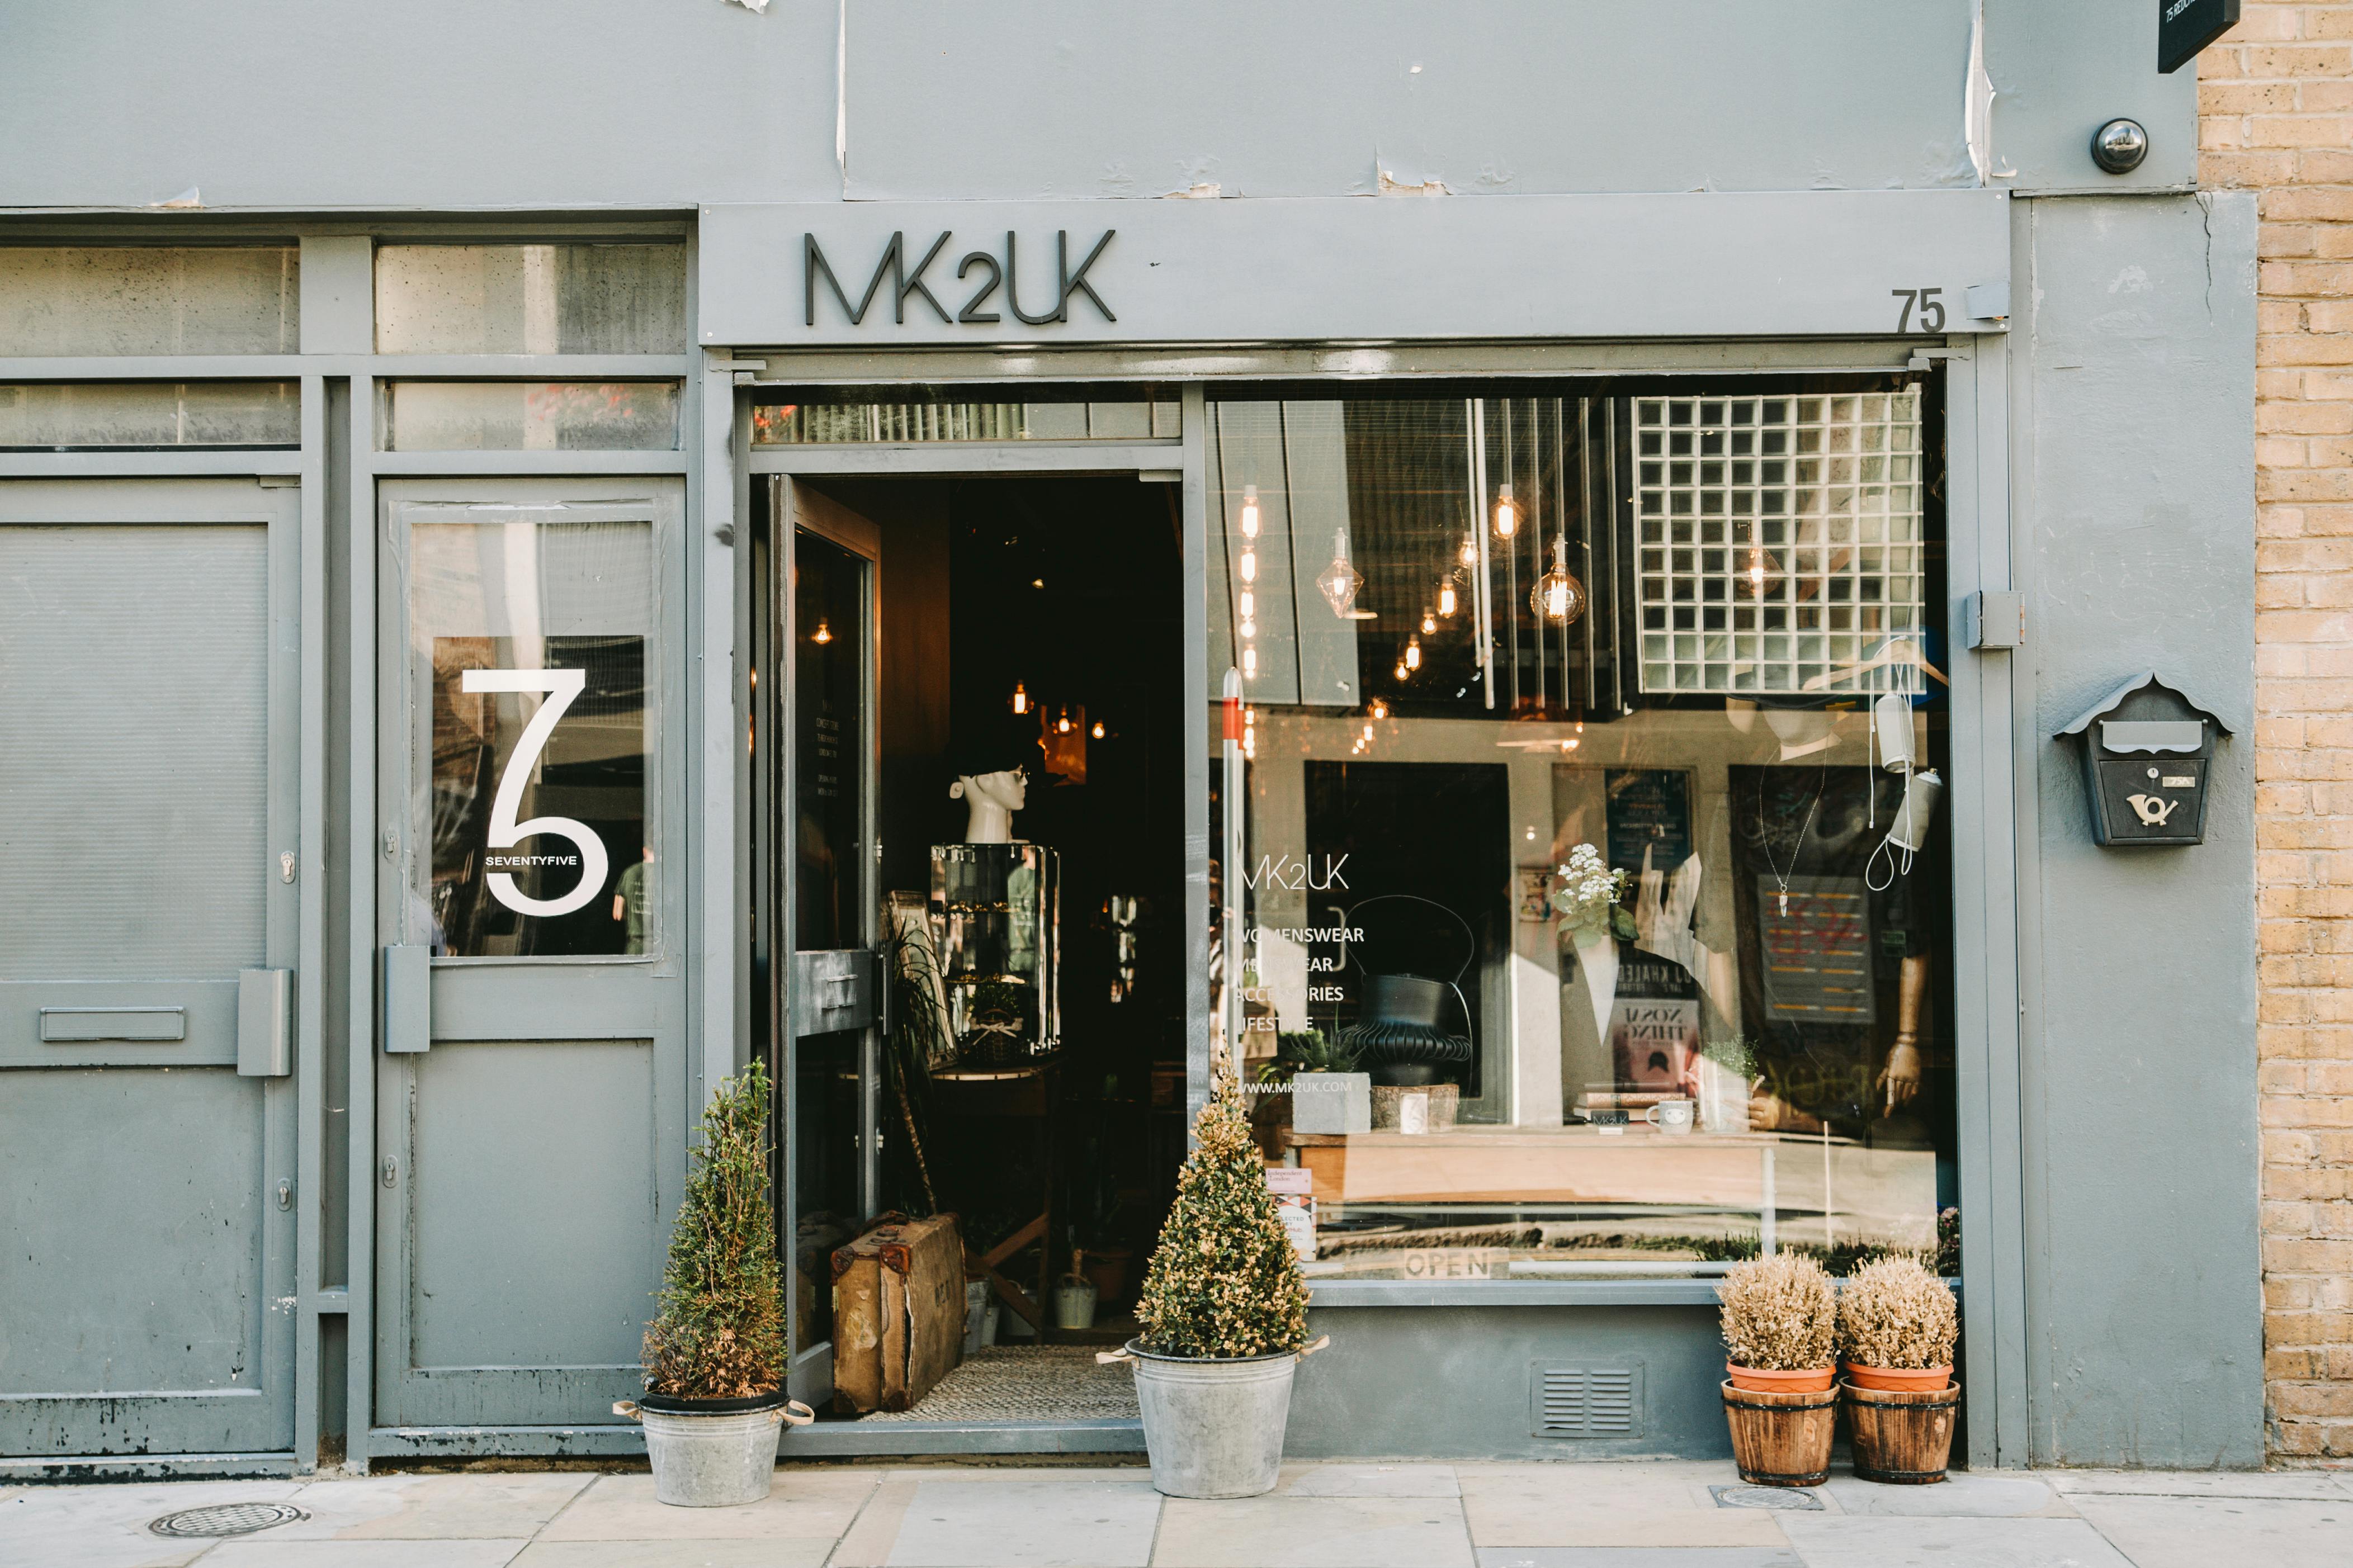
1026,1383
226,1518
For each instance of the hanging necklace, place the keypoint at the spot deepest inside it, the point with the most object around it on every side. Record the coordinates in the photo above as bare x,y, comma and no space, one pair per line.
1780,879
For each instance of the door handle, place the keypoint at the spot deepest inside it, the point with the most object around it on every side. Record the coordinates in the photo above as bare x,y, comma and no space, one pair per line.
408,998
265,1023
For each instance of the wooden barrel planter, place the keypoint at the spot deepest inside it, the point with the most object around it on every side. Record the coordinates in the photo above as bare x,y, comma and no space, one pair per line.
1781,1439
1901,1437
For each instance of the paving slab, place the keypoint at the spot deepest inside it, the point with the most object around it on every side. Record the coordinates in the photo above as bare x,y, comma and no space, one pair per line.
1612,1505
2316,1486
1277,1532
673,1554
806,1505
105,1525
2197,1533
501,1507
1835,1540
867,1542
1957,1496
257,1552
1121,1473
1032,1523
1369,1480
1638,1557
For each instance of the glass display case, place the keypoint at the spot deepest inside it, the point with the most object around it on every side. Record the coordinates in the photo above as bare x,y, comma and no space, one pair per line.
996,916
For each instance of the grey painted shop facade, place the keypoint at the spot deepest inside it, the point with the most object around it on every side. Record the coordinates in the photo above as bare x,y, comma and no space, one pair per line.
311,1182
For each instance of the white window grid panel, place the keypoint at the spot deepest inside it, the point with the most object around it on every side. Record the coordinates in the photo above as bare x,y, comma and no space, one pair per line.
1829,487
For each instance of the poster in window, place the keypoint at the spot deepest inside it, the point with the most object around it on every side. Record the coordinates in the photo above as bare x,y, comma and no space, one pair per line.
1650,813
538,799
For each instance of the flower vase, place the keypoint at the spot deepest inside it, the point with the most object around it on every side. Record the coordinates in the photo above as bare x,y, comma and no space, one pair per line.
1596,955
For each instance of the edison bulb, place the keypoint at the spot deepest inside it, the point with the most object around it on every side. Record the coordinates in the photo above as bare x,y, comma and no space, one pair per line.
1097,730
1413,653
1469,553
1339,581
1250,628
1400,671
1507,513
1558,596
1249,664
1250,511
1429,621
1248,603
823,634
1446,598
1247,567
1757,573
1020,699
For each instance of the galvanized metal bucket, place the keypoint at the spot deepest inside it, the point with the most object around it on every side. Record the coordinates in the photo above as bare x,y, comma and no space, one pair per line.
1213,1425
713,1453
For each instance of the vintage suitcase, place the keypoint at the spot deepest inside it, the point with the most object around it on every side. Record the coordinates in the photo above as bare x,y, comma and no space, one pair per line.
897,1313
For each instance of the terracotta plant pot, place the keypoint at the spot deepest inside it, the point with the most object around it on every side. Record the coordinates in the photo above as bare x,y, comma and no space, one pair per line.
1899,1379
1765,1380
1781,1439
1901,1437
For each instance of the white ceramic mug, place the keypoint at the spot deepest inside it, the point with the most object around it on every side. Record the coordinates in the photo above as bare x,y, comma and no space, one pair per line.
1672,1116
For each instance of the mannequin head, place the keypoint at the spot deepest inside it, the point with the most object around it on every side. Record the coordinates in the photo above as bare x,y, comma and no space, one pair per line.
991,799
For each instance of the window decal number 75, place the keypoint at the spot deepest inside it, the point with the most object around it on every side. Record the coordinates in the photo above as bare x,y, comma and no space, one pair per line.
1932,308
561,688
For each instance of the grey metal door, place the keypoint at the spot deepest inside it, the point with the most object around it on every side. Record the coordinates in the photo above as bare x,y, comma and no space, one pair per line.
149,768
829,1006
532,1081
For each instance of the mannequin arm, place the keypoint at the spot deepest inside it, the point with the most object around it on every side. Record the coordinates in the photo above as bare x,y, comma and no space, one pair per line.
1900,1078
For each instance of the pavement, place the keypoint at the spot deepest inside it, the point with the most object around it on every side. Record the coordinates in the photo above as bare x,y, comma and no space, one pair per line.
1637,1514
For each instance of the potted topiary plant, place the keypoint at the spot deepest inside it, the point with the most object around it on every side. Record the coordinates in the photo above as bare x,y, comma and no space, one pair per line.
1897,1326
1224,1312
1780,1333
714,1354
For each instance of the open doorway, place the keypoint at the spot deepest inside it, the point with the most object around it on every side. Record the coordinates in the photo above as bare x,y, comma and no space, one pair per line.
975,797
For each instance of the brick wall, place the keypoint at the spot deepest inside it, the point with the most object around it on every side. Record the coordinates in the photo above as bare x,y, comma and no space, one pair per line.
2275,112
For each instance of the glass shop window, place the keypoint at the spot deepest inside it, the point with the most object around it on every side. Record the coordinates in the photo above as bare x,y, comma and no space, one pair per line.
150,299
1583,909
531,298
531,416
967,414
100,415
532,656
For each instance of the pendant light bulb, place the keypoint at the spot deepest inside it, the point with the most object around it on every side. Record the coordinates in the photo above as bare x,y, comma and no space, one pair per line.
1340,581
1247,567
1507,513
1558,596
824,632
1757,573
1062,722
1020,699
1250,511
1446,598
1247,604
1413,653
1469,553
1249,664
1400,671
1097,732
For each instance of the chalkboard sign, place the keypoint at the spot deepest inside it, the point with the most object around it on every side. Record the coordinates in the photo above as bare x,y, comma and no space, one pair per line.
1649,809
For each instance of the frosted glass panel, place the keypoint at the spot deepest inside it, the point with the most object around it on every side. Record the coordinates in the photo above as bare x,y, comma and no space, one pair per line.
531,415
133,798
68,415
531,298
149,300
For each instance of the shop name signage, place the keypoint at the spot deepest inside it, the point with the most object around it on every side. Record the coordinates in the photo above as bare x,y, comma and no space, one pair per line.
993,281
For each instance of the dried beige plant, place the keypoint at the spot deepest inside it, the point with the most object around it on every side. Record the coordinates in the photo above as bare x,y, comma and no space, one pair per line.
1895,1313
1779,1314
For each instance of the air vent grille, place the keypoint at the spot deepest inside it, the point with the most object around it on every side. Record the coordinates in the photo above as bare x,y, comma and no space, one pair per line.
1585,1401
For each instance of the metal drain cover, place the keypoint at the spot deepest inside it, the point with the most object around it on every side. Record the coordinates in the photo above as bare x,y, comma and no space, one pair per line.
1795,1497
226,1518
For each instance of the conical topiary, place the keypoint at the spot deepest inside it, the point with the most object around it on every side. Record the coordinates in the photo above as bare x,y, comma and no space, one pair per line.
719,1332
1224,1281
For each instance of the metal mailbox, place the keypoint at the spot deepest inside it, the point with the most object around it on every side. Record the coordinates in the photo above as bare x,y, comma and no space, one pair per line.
2147,751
